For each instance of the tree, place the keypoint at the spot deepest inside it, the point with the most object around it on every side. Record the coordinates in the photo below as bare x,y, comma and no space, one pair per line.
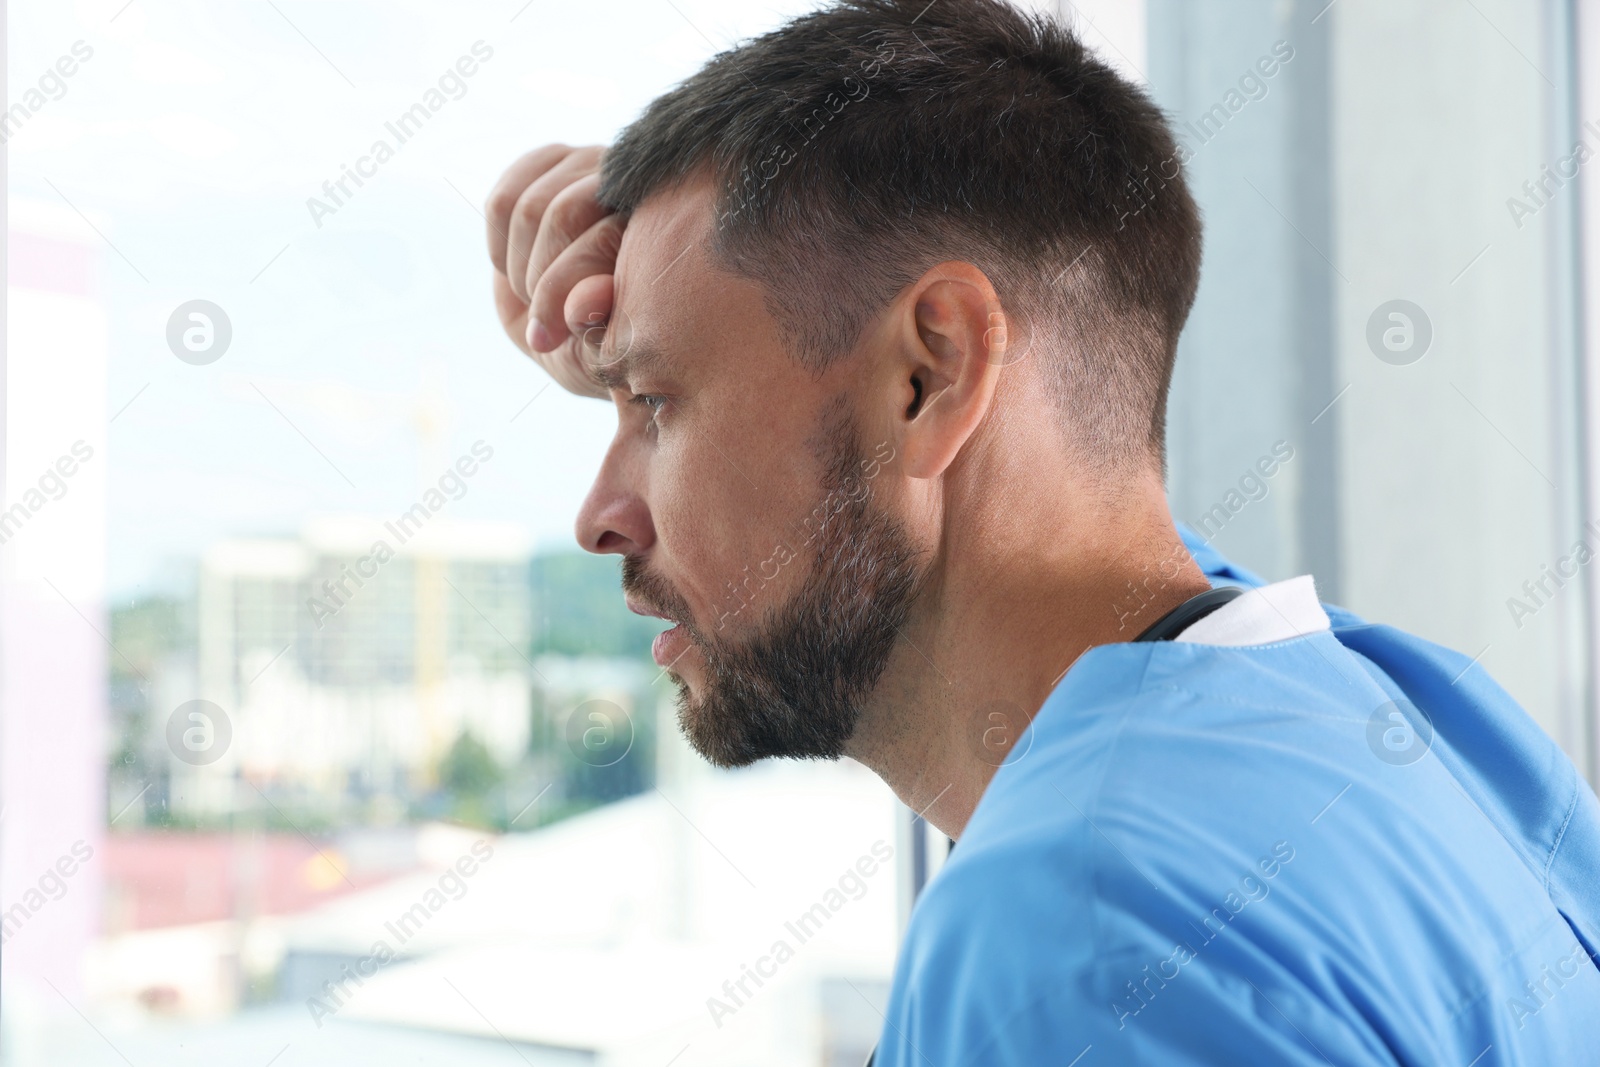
468,769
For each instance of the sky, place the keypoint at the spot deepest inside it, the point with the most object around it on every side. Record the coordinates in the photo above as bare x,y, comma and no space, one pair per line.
192,139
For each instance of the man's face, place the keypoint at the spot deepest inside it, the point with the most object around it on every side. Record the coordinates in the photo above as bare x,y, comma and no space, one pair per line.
747,503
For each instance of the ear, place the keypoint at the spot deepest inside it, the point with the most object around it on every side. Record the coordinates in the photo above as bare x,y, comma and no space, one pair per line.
947,349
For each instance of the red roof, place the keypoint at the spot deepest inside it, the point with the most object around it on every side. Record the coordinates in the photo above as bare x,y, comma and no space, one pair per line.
167,878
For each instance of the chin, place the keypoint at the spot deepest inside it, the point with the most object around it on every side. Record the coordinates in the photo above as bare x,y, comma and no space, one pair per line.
688,676
704,736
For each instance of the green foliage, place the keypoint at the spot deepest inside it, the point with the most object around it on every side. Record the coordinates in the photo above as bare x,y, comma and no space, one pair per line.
144,634
468,770
579,611
148,629
575,600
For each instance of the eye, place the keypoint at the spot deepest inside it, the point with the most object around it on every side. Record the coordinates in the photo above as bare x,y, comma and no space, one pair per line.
650,401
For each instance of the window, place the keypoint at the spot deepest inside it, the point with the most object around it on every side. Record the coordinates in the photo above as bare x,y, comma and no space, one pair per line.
323,742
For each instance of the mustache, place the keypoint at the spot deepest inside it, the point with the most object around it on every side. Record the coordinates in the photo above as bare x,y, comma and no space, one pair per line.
653,592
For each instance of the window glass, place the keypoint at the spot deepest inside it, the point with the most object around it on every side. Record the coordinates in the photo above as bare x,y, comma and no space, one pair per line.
323,742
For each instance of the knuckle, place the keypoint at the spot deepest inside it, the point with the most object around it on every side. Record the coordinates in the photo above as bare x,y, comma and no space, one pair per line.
562,218
546,156
608,235
530,205
507,193
500,204
542,293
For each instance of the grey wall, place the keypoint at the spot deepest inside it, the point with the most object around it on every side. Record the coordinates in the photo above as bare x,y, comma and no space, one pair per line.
1377,166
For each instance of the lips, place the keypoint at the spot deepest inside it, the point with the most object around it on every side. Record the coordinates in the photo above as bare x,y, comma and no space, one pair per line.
669,645
639,607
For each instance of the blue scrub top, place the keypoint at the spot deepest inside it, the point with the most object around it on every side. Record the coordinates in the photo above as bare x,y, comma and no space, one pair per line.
1212,855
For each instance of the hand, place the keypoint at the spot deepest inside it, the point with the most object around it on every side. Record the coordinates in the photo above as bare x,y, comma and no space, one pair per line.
554,249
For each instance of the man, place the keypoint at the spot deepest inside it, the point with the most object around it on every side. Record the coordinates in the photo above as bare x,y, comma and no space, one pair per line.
887,302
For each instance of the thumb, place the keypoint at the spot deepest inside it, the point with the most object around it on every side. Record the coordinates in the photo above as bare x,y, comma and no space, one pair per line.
588,313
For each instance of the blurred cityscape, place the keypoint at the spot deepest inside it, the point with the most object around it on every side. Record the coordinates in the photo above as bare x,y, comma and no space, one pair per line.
436,689
381,788
357,774
338,752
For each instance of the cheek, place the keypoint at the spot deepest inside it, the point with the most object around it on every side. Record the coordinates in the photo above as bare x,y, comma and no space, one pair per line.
732,538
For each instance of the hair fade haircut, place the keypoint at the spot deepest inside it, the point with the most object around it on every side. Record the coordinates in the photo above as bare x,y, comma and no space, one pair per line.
856,147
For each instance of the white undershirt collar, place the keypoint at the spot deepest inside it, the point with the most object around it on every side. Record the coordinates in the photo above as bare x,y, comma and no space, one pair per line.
1261,616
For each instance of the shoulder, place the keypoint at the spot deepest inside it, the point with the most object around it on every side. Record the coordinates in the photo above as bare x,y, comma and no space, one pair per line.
1029,949
1112,852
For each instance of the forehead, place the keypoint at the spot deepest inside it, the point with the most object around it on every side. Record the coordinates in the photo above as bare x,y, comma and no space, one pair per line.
670,224
669,297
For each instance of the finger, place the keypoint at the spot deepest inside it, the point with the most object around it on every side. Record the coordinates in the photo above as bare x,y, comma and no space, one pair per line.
569,372
503,197
513,312
593,253
596,340
566,368
588,307
531,207
570,214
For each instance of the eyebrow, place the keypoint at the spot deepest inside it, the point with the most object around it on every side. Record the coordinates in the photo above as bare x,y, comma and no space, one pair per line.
641,357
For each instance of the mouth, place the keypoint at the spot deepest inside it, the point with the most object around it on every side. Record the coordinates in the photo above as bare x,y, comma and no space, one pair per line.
639,607
669,644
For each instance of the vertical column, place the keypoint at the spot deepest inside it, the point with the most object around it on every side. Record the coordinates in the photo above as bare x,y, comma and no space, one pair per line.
54,632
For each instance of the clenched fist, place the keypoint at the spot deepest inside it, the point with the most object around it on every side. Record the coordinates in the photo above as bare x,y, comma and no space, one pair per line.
554,249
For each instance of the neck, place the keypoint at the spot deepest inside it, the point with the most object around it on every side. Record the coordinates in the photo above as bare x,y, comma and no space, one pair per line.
1010,603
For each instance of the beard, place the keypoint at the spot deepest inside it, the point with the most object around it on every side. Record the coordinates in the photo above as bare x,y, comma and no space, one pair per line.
796,686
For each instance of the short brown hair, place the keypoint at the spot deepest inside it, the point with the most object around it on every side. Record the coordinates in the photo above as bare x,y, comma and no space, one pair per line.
858,146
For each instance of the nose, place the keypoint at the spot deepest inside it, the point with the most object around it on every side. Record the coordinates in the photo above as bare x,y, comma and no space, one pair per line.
614,518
